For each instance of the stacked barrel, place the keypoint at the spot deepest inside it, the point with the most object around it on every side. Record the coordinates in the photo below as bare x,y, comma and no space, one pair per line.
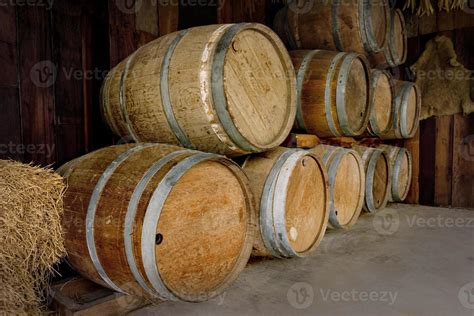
171,216
342,53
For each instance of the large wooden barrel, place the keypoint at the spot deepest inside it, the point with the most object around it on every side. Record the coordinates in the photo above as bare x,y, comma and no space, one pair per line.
401,165
346,184
406,108
157,220
291,190
347,26
381,99
333,92
395,50
227,89
377,178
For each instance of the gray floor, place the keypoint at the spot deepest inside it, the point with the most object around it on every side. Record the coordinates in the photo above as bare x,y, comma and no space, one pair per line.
405,260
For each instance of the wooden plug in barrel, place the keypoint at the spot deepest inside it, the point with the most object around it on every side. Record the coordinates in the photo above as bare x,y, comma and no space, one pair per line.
346,184
346,26
406,108
333,92
395,51
227,89
291,190
377,178
401,165
158,221
381,99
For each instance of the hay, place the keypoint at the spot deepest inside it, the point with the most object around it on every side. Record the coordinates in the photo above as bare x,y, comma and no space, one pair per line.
31,238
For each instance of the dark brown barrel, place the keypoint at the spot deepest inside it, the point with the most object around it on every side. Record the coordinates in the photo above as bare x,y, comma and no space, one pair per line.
291,191
227,89
346,184
377,178
381,99
360,26
333,91
395,50
401,165
158,221
406,108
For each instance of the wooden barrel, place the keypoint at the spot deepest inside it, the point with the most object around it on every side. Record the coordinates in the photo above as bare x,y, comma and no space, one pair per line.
395,50
377,178
227,89
406,109
333,91
346,184
291,191
401,165
346,26
382,93
157,220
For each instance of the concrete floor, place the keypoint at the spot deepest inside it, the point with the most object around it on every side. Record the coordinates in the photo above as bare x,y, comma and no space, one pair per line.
405,260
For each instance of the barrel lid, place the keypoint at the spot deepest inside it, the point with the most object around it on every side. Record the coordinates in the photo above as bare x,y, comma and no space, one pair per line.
258,84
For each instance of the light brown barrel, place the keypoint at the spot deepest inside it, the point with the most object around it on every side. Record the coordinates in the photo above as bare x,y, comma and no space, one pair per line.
381,99
291,191
346,184
395,50
157,220
406,109
347,26
401,165
227,89
333,91
377,178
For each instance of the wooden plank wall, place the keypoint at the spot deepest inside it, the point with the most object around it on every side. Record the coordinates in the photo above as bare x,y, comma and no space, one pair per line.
438,147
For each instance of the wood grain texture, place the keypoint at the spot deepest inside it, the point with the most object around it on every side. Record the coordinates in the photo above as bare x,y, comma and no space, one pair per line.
311,25
36,76
335,92
206,225
258,86
378,178
346,183
463,161
395,50
401,170
406,109
81,297
413,145
306,209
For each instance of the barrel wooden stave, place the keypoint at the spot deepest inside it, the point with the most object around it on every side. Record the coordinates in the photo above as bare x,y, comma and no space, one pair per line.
401,169
406,108
219,210
354,26
333,92
382,94
395,51
346,184
228,89
305,206
378,178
